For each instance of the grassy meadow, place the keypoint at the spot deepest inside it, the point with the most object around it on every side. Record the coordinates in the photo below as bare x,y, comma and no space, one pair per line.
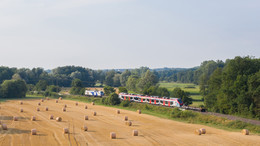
188,87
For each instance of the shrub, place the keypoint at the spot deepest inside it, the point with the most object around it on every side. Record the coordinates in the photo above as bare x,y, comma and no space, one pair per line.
122,89
112,99
125,103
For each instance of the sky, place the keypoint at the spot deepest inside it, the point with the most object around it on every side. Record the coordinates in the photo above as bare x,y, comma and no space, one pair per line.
113,34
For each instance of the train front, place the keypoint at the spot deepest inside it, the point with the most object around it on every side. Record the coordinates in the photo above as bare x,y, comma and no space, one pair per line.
180,102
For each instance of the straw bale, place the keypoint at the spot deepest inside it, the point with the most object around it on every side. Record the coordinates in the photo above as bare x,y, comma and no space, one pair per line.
203,130
113,135
51,117
245,132
135,133
58,119
33,118
65,130
4,126
33,131
94,113
198,132
15,118
126,118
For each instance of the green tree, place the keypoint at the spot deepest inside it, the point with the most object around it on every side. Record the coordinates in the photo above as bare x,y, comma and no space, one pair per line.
109,78
124,76
53,88
77,88
116,80
148,80
215,82
13,89
112,99
122,90
178,93
254,93
108,90
132,82
76,83
41,85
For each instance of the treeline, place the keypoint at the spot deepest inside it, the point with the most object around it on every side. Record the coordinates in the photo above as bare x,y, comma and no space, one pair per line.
233,88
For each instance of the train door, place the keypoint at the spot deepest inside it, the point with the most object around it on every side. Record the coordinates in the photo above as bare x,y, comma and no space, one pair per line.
155,101
129,98
164,102
169,103
124,98
150,101
141,99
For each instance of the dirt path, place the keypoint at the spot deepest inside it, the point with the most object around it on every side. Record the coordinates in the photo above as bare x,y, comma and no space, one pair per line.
152,130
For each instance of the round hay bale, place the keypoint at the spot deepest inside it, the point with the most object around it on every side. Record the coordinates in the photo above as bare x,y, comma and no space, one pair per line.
46,108
126,118
92,103
94,113
65,130
198,132
42,100
4,126
118,111
86,117
85,128
245,132
33,118
51,117
39,103
139,111
47,98
33,132
38,109
64,109
56,101
86,107
113,135
58,119
203,130
21,110
135,133
128,123
65,105
76,103
60,98
20,102
15,118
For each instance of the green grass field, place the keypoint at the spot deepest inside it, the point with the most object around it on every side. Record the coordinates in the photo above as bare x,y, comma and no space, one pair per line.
188,87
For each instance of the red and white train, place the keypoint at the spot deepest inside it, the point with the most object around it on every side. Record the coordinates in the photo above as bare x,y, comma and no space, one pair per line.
151,100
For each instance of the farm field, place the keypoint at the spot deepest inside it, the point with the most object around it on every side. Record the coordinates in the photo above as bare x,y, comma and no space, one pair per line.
194,92
152,130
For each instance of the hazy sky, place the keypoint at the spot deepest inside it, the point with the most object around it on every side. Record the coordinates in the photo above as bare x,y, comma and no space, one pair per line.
105,34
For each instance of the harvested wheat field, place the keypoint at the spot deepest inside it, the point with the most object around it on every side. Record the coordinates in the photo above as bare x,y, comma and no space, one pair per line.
151,130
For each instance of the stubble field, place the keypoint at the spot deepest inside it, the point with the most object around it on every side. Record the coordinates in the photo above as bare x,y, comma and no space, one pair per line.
152,130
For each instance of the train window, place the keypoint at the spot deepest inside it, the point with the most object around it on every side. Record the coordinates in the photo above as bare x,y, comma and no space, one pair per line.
161,101
152,100
166,102
157,101
171,102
